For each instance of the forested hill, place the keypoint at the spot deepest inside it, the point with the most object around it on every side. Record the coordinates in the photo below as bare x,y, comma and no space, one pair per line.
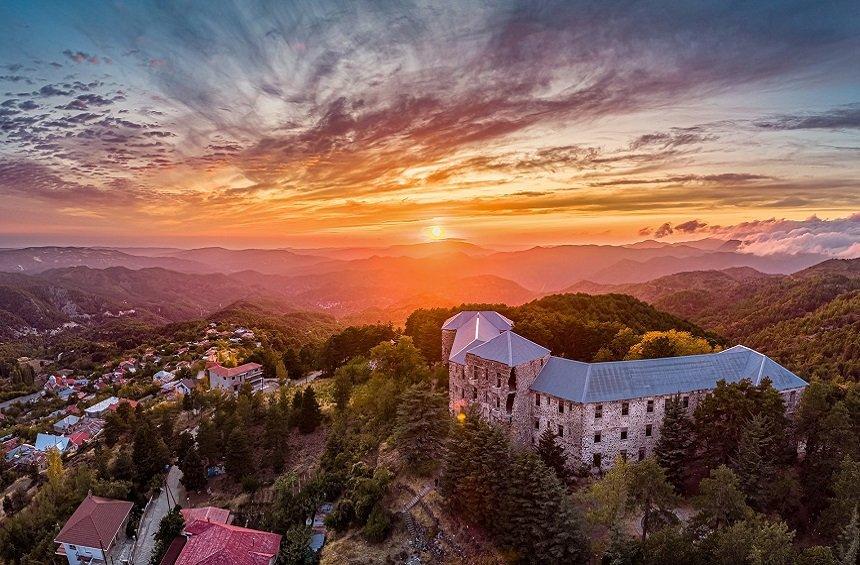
808,321
577,326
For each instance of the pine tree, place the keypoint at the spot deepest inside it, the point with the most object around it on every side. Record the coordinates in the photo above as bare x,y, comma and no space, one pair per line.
149,453
754,462
422,422
721,501
848,545
209,442
239,462
552,454
169,527
674,448
193,470
650,491
311,415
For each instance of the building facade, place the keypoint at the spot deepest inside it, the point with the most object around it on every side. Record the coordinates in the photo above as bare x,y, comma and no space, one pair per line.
598,411
233,378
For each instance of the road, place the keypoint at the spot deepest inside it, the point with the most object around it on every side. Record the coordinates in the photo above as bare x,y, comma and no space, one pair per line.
153,514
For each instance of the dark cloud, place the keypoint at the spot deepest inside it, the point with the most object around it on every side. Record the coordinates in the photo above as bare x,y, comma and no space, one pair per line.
81,57
691,226
51,90
674,138
663,231
839,118
28,105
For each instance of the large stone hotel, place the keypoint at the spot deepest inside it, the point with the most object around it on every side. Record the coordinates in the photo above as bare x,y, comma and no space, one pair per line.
598,410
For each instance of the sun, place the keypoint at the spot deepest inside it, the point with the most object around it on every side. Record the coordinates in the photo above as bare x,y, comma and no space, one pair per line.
437,232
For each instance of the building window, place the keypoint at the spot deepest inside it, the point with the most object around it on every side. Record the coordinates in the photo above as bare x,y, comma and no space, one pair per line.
561,406
625,408
649,406
596,460
641,453
498,404
537,400
791,398
648,430
598,411
561,431
623,454
537,424
596,437
624,433
686,401
475,394
498,380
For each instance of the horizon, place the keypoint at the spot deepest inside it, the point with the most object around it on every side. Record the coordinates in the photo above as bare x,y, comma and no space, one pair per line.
509,124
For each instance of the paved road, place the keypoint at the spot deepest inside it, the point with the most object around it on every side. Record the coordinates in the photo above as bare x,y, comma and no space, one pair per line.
26,399
153,514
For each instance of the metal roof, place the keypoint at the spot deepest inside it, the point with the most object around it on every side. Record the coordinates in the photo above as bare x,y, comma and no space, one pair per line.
619,380
473,329
491,317
44,442
509,348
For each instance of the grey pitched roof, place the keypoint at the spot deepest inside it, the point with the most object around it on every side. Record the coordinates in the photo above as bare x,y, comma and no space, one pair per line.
509,348
473,329
495,319
619,380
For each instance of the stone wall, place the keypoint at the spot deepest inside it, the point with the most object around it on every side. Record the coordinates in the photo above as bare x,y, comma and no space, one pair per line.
447,342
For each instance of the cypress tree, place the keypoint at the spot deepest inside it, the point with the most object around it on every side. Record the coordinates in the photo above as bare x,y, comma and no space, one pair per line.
674,448
754,462
422,423
552,454
311,415
239,461
848,544
193,471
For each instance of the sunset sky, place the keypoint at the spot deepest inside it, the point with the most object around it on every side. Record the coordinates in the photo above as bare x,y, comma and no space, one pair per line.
341,123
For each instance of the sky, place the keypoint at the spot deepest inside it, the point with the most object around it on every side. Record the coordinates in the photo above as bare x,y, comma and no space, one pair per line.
327,123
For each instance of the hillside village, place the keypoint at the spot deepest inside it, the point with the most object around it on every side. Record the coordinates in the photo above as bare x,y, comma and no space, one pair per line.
227,437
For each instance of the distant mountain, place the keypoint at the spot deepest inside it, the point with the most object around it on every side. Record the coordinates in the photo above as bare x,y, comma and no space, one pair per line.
810,320
268,261
629,270
413,250
38,259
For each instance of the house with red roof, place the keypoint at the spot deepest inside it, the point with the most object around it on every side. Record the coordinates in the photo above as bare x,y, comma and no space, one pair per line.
207,514
232,378
214,543
95,532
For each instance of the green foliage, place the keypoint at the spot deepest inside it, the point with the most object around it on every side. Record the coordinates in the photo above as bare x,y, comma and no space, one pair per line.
309,413
169,527
353,341
294,547
149,453
552,454
721,416
755,461
848,544
422,423
512,494
753,542
671,343
193,470
675,447
378,524
239,461
720,502
650,492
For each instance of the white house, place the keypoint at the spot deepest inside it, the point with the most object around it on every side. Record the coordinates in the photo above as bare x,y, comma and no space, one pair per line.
95,532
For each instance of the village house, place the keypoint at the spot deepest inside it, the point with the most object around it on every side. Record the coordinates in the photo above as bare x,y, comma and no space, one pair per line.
95,533
598,411
208,537
233,378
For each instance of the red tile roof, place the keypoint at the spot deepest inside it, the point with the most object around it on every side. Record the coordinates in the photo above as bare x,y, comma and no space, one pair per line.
78,438
226,372
95,523
115,405
207,514
221,544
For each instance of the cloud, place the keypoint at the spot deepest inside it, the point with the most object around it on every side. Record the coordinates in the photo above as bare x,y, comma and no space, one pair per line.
847,117
674,138
663,231
839,237
691,226
81,57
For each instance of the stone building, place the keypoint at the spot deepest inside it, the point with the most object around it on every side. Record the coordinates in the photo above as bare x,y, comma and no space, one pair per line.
598,410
